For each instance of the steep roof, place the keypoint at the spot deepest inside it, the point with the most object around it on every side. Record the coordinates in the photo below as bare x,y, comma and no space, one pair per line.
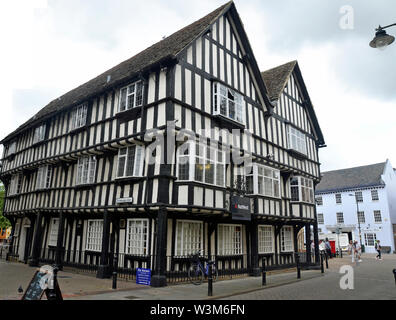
364,176
275,79
162,51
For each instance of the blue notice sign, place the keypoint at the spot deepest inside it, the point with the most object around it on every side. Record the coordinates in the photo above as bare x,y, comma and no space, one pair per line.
143,276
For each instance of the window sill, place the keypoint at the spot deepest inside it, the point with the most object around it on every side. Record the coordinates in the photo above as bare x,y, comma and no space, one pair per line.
128,179
228,123
131,114
262,195
84,186
38,143
297,154
78,130
203,184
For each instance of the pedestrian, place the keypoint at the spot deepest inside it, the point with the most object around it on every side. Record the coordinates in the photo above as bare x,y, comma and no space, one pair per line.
322,247
378,248
351,250
358,250
312,248
328,248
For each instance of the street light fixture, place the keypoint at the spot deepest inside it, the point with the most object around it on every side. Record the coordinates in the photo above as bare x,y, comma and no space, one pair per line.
382,39
357,212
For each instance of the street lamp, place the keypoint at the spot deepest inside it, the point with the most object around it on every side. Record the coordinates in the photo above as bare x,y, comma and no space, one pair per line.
382,39
357,212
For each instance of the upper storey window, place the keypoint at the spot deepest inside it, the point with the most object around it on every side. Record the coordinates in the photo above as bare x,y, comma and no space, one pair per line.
264,181
39,133
15,184
302,190
228,103
43,180
79,116
11,148
131,96
130,162
86,170
296,140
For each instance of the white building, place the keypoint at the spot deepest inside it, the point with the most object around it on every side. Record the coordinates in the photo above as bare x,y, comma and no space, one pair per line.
367,192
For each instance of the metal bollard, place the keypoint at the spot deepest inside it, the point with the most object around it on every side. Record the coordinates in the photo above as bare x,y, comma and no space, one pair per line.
321,263
394,274
298,265
264,282
210,278
115,265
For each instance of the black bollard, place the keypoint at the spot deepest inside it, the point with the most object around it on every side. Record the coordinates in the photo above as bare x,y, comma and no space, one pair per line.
321,263
115,265
327,261
394,274
210,278
264,282
298,265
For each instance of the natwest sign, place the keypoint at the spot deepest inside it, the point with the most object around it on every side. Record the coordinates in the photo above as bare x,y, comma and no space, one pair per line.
240,208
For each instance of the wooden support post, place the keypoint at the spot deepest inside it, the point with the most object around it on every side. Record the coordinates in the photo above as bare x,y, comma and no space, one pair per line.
104,267
159,278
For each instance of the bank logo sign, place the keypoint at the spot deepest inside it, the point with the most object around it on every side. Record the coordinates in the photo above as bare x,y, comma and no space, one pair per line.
240,208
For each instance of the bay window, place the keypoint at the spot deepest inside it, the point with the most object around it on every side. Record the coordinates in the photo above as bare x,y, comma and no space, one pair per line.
296,140
229,239
201,163
228,103
130,162
86,170
94,235
79,116
263,181
131,96
301,190
189,237
137,237
43,179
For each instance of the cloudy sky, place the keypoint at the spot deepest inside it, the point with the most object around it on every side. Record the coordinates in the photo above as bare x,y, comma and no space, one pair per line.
51,46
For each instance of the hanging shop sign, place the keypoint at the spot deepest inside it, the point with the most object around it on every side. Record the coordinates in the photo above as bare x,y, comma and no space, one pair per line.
240,208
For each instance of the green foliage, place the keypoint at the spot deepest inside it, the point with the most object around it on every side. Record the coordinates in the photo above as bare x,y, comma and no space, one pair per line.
4,222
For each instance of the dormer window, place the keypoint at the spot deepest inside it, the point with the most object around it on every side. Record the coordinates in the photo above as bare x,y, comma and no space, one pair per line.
39,134
131,96
79,116
228,103
296,140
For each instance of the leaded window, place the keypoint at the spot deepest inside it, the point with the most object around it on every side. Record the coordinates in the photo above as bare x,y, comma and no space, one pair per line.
286,239
130,162
189,237
229,239
137,237
86,170
43,179
39,133
264,181
265,239
228,103
79,116
15,184
131,96
94,235
297,140
11,148
301,190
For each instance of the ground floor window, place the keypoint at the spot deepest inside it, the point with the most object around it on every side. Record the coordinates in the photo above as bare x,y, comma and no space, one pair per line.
189,237
53,235
369,239
287,239
137,236
94,235
265,239
229,239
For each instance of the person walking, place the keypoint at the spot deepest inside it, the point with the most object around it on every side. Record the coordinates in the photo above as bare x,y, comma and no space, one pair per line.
351,250
358,250
378,248
328,248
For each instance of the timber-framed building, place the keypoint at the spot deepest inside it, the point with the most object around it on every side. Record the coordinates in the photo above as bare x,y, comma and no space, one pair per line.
81,191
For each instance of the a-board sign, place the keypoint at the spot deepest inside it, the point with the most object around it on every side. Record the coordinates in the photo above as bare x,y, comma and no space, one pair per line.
34,290
143,276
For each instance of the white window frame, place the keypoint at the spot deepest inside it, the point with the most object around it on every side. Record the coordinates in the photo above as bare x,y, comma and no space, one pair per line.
221,94
53,234
377,214
138,161
229,239
86,170
305,189
94,235
266,175
39,133
359,196
137,237
287,243
320,218
189,237
319,201
131,96
361,217
15,184
338,198
79,116
206,156
43,179
266,239
338,215
374,195
367,241
296,140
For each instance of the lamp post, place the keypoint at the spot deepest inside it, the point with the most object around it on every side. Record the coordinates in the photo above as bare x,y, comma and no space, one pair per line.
357,212
382,39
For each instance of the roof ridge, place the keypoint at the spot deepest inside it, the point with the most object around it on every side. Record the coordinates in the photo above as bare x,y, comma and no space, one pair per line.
345,169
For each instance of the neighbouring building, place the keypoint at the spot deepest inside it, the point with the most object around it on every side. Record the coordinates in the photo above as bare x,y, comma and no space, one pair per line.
84,184
363,195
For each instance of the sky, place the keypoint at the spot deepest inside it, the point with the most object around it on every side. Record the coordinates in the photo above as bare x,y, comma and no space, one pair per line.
52,46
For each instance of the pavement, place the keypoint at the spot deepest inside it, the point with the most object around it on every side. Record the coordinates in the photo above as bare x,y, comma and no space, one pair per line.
372,279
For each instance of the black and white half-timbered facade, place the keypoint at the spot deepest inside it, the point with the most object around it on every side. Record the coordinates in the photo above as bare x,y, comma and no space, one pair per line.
186,146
